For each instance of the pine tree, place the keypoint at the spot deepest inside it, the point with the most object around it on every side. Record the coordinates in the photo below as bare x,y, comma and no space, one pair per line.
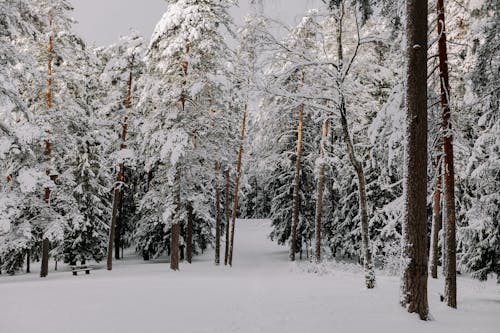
185,61
414,290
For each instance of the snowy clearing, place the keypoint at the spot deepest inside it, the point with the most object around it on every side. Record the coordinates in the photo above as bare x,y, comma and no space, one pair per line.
261,293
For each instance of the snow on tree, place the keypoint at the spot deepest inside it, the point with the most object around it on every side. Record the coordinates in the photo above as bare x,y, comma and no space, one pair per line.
186,63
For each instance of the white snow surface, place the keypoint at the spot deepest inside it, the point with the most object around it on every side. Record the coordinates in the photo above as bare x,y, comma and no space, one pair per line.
261,293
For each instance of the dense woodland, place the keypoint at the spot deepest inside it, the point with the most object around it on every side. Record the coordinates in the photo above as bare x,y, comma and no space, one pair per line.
367,133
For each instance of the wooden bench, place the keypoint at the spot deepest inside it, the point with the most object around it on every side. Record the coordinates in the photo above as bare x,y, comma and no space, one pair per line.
76,269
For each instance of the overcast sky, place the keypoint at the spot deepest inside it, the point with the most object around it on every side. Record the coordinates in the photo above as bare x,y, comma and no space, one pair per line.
102,22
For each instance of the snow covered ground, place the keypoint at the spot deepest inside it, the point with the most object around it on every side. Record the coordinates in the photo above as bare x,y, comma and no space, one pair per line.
261,293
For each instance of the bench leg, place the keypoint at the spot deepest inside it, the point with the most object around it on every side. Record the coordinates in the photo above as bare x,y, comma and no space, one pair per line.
75,273
87,272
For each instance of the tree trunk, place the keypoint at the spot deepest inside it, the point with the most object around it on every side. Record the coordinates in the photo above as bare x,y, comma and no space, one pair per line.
189,234
217,215
358,167
119,223
436,223
28,261
226,209
320,189
116,200
44,270
45,258
414,279
450,293
175,230
296,187
174,253
363,207
120,177
237,186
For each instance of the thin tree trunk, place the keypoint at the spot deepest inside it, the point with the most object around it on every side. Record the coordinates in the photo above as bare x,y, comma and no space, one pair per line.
358,167
226,210
119,223
237,186
28,261
436,223
120,175
189,234
217,215
360,173
450,293
415,275
116,200
296,187
175,230
44,270
320,189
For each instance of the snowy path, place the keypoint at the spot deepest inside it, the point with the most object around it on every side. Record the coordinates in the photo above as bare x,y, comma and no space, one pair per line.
261,293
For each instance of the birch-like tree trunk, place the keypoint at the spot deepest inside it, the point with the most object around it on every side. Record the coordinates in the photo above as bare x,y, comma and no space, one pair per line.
237,186
450,291
357,165
320,189
414,279
363,206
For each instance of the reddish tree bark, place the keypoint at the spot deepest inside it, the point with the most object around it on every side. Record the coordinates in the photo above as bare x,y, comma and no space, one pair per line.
436,223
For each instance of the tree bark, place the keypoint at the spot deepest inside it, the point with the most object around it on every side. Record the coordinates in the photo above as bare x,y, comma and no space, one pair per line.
119,224
120,177
45,258
217,215
357,165
320,189
28,261
363,206
414,279
116,200
175,230
189,234
450,293
226,209
44,270
436,223
237,186
296,187
174,253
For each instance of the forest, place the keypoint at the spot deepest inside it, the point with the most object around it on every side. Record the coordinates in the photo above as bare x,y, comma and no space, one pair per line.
368,134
